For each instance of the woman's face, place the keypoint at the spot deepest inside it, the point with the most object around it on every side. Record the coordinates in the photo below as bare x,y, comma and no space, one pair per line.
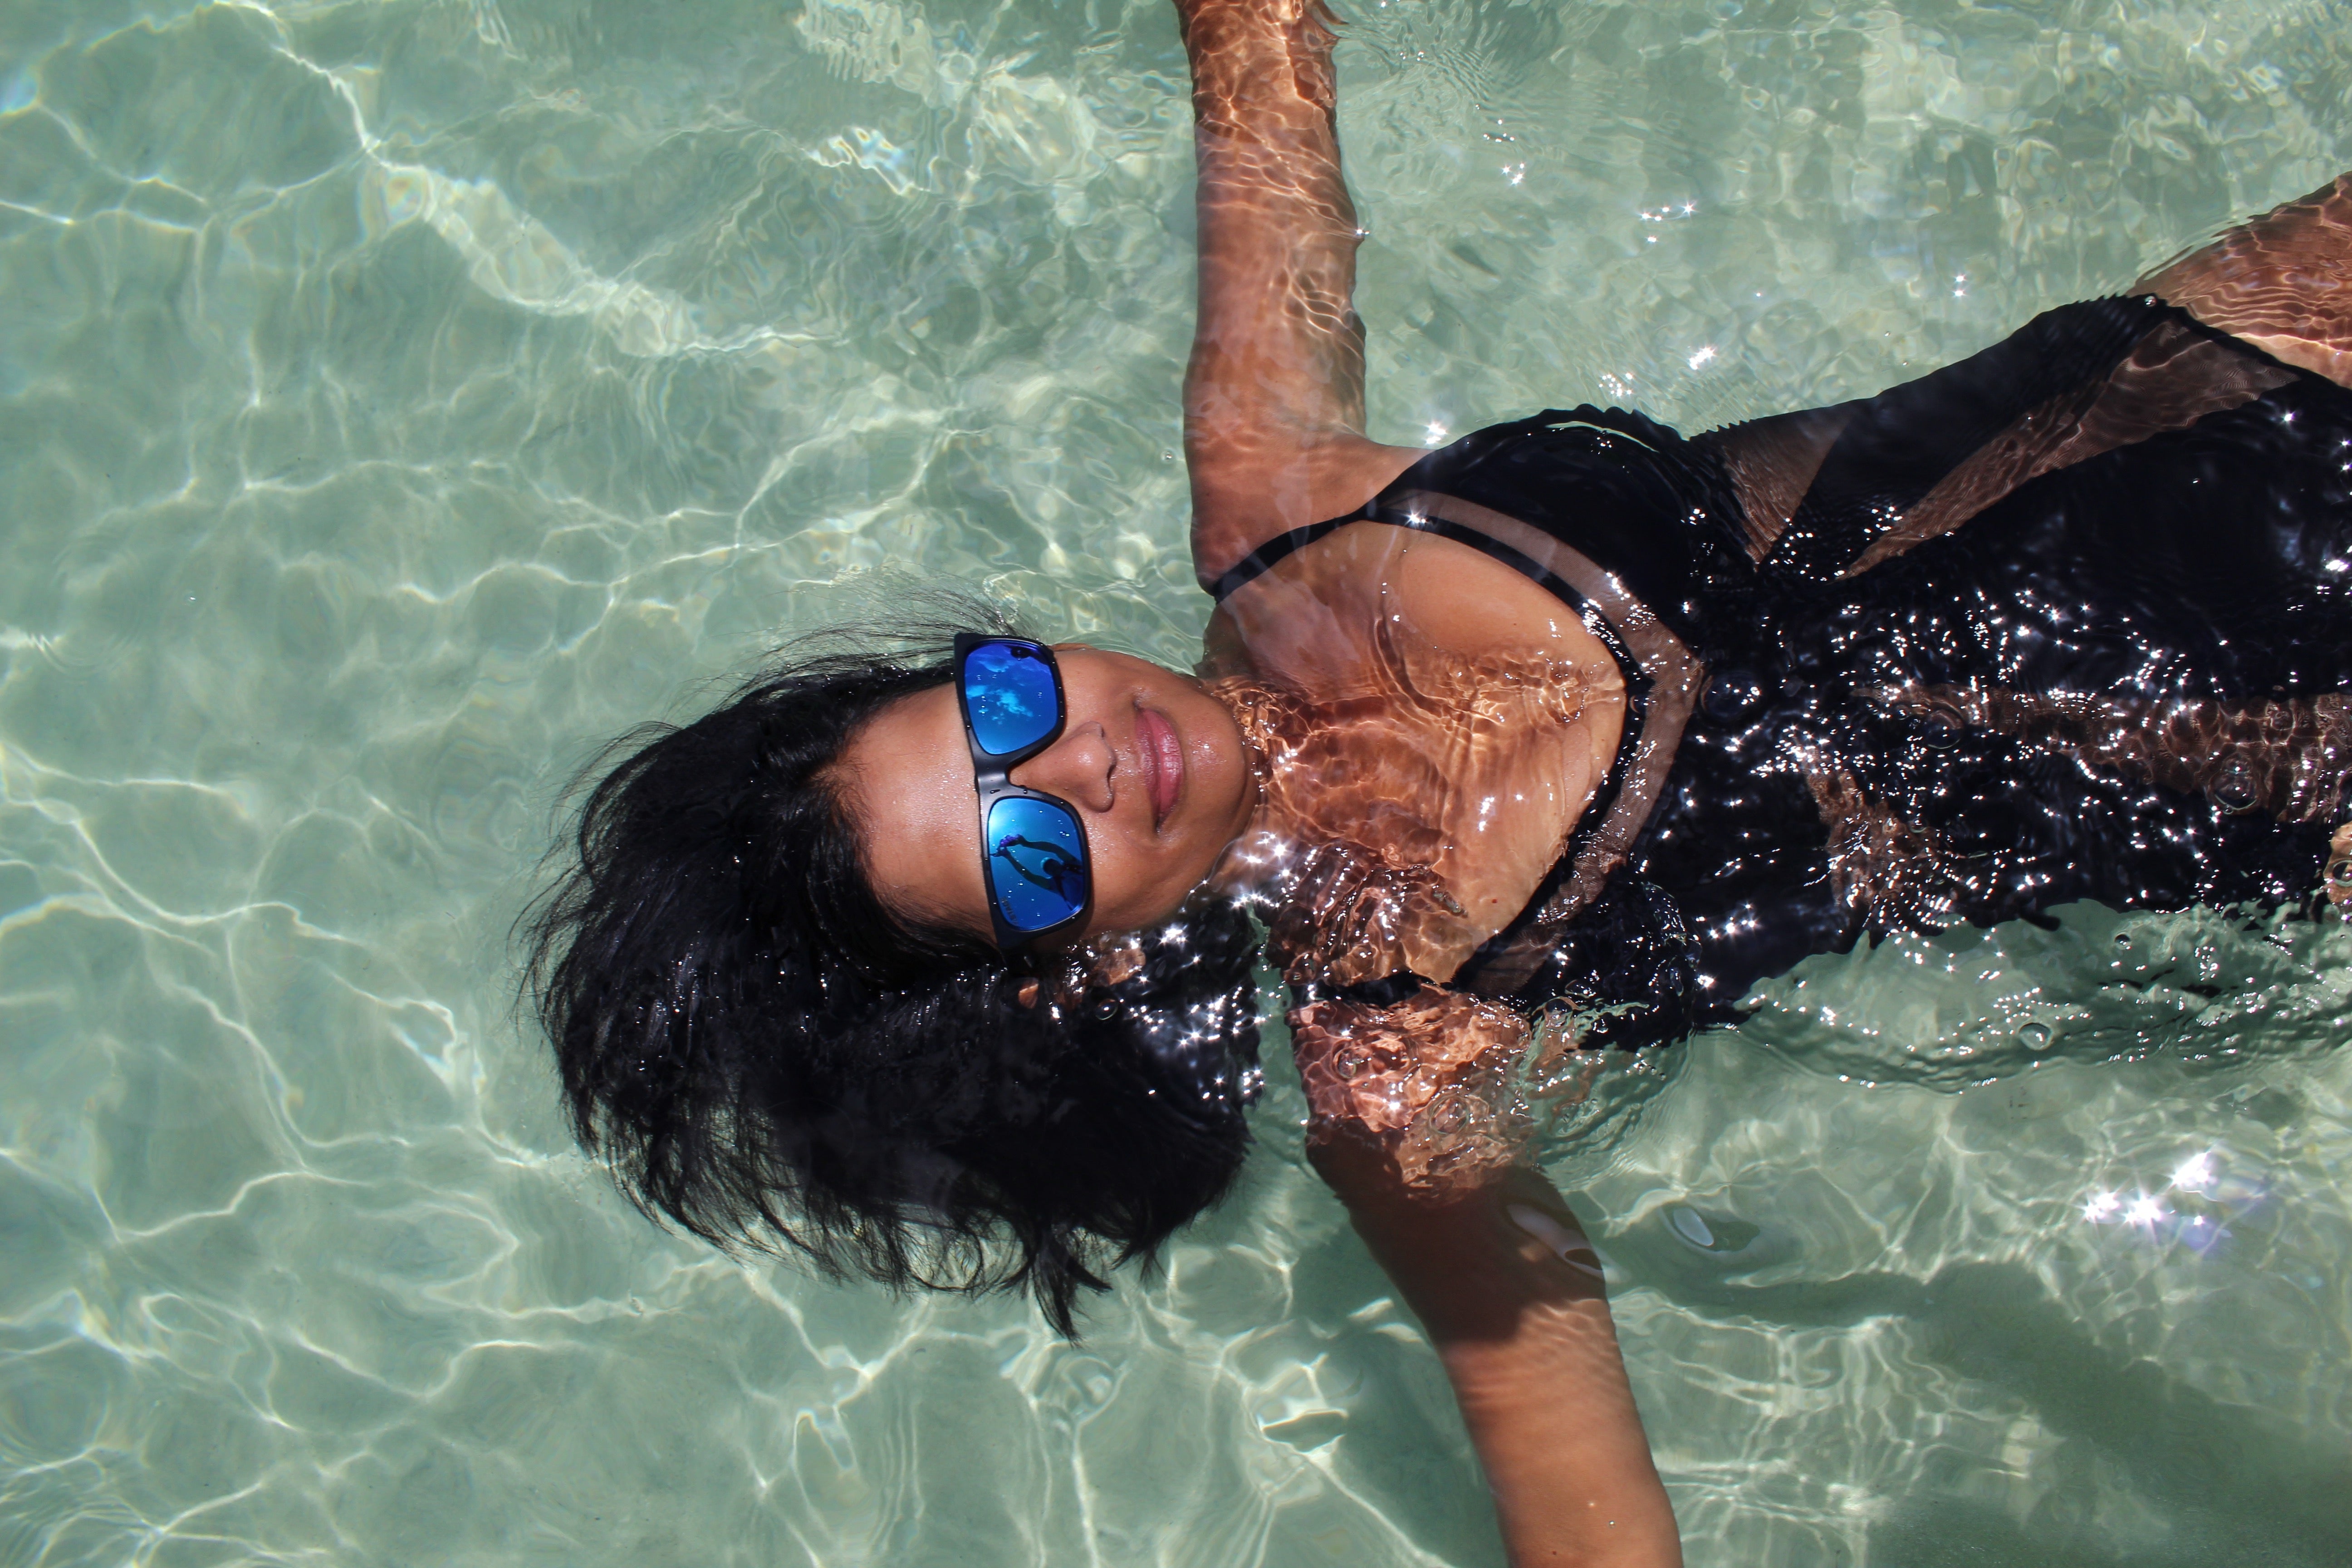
1154,766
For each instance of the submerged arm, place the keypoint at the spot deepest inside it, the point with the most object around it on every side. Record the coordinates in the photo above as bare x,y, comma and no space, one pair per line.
1490,1259
1274,396
1511,1294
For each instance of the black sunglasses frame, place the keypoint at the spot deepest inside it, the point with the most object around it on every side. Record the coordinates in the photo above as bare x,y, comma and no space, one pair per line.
992,781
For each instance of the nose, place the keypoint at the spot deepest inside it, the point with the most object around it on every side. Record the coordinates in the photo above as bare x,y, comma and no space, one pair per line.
1077,768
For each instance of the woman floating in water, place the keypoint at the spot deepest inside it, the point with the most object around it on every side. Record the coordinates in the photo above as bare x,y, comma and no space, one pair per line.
1565,733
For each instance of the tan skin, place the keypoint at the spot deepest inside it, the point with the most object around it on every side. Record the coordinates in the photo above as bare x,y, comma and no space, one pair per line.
1274,408
1133,724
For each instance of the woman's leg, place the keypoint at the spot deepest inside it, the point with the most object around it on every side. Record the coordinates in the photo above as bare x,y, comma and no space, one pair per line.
2281,281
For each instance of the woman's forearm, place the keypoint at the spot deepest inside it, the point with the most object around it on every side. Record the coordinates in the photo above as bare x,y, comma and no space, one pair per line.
1277,334
1513,1300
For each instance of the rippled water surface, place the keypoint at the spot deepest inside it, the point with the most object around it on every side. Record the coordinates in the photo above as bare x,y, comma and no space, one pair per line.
396,399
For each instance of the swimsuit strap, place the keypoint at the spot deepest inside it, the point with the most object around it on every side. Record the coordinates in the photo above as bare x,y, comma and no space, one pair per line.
1259,561
1422,475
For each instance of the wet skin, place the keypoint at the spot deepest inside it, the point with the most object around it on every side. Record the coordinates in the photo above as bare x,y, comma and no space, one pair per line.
1153,765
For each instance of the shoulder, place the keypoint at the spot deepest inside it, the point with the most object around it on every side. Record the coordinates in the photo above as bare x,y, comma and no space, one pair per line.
1307,618
1250,489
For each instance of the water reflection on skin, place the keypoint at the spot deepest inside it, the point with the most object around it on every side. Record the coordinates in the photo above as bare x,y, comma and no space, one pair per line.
1430,773
278,1184
1425,727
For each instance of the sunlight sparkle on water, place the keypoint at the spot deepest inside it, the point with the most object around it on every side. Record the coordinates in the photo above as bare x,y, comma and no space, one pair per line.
2194,1174
397,1262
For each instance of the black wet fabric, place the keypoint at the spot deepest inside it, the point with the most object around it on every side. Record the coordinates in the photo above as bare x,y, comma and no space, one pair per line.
2207,563
1900,443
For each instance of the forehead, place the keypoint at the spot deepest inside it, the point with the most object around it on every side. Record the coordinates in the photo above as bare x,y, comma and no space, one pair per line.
906,774
911,727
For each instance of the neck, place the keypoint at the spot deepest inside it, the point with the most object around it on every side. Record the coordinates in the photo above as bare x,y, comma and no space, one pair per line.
1270,720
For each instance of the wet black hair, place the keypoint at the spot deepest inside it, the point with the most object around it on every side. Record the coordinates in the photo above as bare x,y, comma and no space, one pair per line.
767,1056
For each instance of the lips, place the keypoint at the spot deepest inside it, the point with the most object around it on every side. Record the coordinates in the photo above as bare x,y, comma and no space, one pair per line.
1163,761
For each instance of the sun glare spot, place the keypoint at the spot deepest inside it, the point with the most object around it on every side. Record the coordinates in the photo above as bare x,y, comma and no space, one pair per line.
2195,1174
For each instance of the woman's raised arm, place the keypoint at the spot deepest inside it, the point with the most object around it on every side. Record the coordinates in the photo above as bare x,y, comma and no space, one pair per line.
1274,398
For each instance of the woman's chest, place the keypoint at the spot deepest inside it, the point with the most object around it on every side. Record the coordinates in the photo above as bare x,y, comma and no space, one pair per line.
1437,722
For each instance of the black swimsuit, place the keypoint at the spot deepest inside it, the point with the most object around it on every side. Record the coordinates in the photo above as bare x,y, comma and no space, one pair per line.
2123,679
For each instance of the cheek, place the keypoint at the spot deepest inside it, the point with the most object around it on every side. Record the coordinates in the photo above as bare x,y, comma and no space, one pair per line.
1118,878
1133,888
1130,889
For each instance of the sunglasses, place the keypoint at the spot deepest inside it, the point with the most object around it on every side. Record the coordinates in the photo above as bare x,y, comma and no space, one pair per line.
1032,847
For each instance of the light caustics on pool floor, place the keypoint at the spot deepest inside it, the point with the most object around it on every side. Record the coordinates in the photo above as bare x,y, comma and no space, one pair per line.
395,400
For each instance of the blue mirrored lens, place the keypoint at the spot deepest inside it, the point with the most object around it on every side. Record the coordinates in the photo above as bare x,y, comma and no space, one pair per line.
1012,696
1037,857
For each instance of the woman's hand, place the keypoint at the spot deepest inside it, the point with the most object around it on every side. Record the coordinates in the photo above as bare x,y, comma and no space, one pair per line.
1422,1090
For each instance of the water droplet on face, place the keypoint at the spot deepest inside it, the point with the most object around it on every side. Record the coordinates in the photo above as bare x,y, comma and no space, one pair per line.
2035,1036
1348,1064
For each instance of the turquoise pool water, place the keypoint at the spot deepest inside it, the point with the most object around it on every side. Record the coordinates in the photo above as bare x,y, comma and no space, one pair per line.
397,399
